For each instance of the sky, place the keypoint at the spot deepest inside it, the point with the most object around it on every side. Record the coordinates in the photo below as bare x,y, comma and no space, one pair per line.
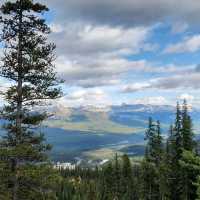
111,52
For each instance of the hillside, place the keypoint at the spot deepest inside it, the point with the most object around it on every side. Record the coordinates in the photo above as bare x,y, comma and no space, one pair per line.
124,119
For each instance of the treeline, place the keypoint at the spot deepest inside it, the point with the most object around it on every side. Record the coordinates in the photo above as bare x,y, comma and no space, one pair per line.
170,169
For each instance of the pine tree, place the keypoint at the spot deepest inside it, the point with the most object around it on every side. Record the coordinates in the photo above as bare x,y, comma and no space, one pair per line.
198,188
174,154
188,157
148,181
158,145
152,162
116,179
177,133
187,133
166,168
190,166
127,179
108,181
150,133
154,147
27,63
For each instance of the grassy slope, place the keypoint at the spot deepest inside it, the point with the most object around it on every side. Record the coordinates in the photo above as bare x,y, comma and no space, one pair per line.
96,122
103,153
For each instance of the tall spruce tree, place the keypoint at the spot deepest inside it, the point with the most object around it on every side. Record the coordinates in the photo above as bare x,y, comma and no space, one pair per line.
187,132
116,179
148,181
27,63
152,162
127,179
154,147
190,166
158,145
190,171
177,135
175,149
166,169
149,137
108,182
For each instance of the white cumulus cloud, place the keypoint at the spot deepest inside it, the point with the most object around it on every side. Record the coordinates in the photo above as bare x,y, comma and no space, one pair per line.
189,44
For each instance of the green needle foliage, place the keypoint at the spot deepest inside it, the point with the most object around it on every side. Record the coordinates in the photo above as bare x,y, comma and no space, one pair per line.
28,64
187,132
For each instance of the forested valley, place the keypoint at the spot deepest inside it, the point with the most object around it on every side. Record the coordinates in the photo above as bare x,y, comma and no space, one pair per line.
170,169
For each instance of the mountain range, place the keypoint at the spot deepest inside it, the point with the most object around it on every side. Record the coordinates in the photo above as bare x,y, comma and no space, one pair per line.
99,132
123,119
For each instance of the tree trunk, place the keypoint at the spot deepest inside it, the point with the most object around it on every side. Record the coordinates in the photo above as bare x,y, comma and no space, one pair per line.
19,107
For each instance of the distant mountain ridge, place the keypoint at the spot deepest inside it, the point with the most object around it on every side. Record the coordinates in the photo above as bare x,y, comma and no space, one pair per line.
122,119
97,133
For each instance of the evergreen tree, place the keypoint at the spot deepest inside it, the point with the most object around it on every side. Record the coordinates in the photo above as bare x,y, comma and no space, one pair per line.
27,63
175,154
188,157
158,145
116,179
187,132
107,181
198,188
190,166
177,134
154,147
150,136
149,189
152,163
166,172
127,179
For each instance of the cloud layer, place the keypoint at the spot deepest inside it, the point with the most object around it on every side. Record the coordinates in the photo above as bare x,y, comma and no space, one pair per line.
131,48
127,12
188,44
95,55
183,80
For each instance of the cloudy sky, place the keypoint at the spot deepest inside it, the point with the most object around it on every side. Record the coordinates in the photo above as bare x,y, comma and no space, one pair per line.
127,51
